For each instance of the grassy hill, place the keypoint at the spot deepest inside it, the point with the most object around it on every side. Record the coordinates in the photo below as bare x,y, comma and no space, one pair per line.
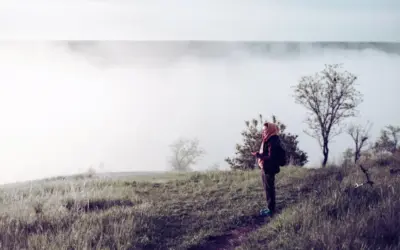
318,209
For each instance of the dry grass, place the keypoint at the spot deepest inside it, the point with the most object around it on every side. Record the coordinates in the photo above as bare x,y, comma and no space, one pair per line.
319,210
338,216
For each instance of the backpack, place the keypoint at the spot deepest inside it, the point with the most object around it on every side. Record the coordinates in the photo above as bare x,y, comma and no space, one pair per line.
281,154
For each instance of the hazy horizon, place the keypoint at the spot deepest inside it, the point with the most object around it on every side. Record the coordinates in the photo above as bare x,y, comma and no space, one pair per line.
69,105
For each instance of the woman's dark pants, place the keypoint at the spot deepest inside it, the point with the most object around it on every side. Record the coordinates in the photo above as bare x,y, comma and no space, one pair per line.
269,187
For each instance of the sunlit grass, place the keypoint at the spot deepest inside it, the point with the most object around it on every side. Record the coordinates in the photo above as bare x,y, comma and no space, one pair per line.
318,209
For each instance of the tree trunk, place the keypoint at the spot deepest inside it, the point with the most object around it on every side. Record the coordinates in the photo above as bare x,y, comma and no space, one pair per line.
326,154
357,155
356,151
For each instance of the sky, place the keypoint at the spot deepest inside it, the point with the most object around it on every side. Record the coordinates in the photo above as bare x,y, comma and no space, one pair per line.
69,105
201,20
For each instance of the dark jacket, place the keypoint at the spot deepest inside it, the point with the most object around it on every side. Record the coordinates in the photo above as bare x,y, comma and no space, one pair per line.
269,155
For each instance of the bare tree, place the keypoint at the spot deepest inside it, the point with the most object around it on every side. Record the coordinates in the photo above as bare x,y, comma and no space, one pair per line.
185,153
360,136
348,156
388,140
394,132
214,167
330,97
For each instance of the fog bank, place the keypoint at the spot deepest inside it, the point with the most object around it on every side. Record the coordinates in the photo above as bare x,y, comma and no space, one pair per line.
68,105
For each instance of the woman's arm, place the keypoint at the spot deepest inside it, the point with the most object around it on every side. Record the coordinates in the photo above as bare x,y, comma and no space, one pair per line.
269,150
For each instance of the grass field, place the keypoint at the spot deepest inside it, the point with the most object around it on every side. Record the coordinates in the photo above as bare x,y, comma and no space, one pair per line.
318,209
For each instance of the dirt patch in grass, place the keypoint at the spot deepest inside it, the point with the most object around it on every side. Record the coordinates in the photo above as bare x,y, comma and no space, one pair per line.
96,204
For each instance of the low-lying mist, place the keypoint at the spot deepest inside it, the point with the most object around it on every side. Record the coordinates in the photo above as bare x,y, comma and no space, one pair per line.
66,106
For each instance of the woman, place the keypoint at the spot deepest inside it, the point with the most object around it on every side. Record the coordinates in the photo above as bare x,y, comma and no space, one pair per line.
268,161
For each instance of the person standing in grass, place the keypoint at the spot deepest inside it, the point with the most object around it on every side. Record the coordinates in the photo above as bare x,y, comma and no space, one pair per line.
270,157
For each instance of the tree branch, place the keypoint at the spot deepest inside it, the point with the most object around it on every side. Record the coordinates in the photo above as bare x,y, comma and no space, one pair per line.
369,181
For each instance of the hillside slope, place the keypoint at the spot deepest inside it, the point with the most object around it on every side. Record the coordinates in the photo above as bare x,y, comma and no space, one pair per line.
318,209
